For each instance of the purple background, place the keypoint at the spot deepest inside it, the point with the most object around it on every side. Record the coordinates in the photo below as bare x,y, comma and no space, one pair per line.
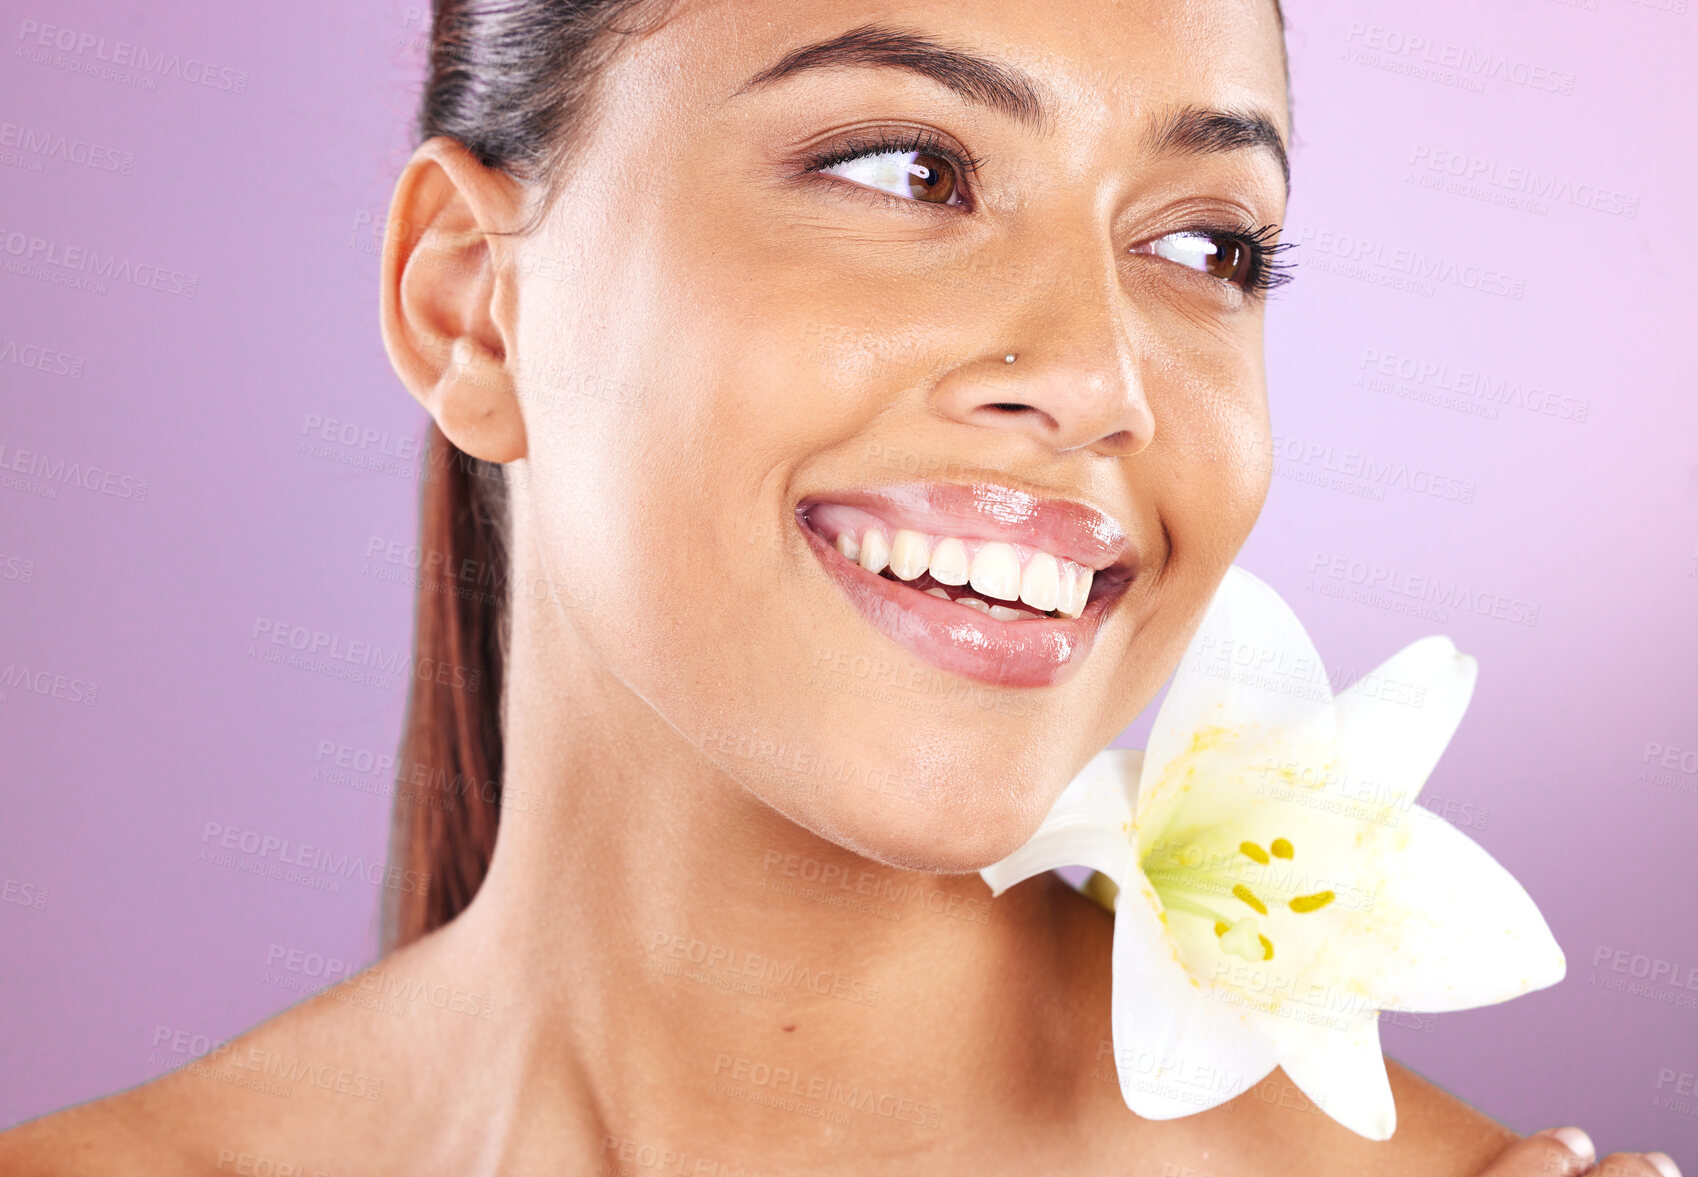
1397,447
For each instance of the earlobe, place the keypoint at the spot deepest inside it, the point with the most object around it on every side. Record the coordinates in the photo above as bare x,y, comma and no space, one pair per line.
448,297
477,407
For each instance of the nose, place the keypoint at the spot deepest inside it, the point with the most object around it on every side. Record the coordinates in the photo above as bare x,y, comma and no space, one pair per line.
1075,381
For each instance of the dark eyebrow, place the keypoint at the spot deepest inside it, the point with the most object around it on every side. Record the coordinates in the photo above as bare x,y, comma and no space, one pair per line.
1195,130
975,78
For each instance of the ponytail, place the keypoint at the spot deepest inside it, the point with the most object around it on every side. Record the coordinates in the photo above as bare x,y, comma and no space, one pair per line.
448,782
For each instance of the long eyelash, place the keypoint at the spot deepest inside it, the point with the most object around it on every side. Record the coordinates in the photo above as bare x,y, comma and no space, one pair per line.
1266,272
920,139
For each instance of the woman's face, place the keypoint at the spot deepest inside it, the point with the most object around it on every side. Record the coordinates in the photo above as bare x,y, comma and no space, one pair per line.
762,342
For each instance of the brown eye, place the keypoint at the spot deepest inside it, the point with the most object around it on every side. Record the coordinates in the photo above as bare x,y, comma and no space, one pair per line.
1215,254
913,175
1231,262
932,178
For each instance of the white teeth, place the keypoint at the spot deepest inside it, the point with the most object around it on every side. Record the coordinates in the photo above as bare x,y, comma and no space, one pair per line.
1040,582
1075,589
1001,575
875,553
909,554
949,561
1082,590
996,571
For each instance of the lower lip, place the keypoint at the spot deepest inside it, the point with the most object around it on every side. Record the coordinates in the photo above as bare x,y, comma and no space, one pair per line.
1038,653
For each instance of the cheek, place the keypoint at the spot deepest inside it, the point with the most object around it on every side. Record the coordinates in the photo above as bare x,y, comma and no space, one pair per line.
1206,475
664,427
1215,458
1246,465
656,416
708,603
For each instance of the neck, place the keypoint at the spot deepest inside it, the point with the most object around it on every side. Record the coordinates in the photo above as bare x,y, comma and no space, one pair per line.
691,960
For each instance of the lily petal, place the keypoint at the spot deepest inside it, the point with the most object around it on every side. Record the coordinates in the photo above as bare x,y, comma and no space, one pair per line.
1456,931
1250,668
1343,1072
1395,722
1089,825
1177,1052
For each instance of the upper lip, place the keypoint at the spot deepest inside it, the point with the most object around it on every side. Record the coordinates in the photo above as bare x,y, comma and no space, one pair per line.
996,511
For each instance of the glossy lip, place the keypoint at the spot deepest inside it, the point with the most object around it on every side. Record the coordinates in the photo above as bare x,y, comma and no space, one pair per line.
1028,653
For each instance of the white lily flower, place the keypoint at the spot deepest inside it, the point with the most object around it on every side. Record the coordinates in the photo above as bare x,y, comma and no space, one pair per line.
1274,885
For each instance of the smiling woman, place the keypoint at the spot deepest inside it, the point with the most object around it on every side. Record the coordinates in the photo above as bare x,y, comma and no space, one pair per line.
770,708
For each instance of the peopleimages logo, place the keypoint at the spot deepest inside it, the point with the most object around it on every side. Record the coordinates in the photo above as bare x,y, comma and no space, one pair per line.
1376,473
1346,573
42,473
269,850
1389,45
46,360
1414,264
84,50
28,251
38,144
1491,390
314,649
46,683
1468,175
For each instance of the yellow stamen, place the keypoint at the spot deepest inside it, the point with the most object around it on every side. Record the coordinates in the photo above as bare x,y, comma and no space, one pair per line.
1313,902
1267,947
1253,852
1222,927
1249,896
1281,848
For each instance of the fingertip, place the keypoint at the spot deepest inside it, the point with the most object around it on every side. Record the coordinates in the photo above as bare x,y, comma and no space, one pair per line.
1575,1141
1662,1163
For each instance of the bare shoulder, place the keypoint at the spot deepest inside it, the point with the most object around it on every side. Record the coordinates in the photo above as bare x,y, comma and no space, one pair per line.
314,1072
121,1132
1444,1134
1438,1135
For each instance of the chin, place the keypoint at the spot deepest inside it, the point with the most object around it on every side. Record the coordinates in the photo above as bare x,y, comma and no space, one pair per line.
953,825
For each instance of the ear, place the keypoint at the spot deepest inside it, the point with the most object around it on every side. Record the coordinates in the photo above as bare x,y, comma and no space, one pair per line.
448,300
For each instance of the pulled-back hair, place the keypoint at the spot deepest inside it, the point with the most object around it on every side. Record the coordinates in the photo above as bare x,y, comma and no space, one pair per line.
514,82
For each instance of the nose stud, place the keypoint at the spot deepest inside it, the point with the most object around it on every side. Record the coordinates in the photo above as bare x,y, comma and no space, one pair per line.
1009,358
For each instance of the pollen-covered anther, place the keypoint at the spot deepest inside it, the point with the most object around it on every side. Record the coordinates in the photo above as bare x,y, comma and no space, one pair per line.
1307,903
1241,892
1183,886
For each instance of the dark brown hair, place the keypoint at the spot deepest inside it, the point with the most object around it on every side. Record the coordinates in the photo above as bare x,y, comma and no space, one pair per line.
514,82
